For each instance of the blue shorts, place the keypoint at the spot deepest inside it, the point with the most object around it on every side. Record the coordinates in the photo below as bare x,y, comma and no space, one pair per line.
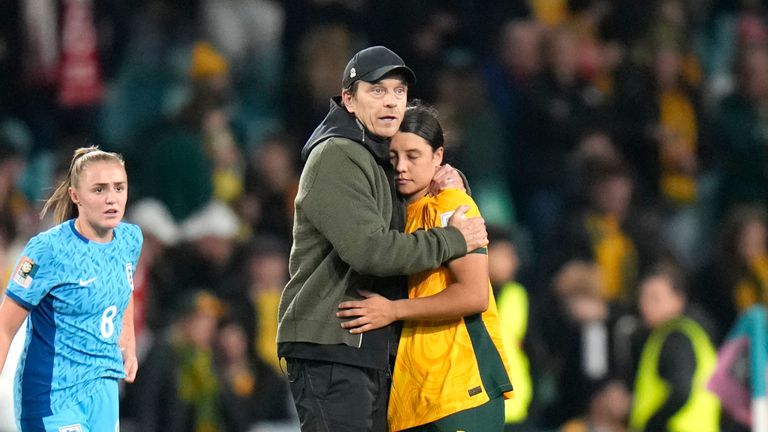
97,413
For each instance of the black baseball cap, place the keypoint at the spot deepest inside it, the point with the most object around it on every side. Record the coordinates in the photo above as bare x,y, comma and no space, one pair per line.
372,63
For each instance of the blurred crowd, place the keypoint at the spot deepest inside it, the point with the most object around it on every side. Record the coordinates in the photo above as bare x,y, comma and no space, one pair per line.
601,139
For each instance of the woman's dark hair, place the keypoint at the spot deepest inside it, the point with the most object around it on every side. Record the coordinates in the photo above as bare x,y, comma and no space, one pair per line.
421,119
736,221
671,270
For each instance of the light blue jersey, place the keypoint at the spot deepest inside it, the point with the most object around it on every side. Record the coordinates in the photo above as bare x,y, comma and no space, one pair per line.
76,292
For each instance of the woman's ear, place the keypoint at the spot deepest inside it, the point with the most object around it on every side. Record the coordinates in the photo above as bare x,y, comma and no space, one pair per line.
73,195
438,156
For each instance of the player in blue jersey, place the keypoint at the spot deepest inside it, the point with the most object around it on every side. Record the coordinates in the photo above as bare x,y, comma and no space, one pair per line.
75,284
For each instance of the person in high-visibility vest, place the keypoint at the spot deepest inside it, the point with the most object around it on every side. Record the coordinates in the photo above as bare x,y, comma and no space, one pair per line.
676,363
512,304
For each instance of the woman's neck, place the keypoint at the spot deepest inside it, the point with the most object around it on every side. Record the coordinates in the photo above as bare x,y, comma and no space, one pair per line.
91,233
416,196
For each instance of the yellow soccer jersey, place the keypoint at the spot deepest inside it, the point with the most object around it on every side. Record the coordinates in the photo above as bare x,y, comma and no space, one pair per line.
446,366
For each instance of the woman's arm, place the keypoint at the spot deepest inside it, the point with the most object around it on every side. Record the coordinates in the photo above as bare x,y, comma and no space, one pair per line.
127,344
466,296
11,317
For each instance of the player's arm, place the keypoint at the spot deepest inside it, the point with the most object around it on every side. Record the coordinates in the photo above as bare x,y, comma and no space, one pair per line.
127,344
468,295
12,315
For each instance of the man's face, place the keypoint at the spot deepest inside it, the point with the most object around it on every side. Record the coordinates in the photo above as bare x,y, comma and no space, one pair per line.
658,301
379,106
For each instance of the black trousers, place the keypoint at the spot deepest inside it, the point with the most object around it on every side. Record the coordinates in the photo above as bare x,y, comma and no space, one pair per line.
334,397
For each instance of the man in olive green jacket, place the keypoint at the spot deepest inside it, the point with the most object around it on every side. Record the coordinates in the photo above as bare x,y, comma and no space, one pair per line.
347,238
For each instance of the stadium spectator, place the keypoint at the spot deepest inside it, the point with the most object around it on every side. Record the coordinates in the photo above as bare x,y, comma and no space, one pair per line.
181,389
670,391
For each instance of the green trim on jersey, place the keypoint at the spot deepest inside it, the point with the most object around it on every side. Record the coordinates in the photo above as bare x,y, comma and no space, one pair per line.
492,371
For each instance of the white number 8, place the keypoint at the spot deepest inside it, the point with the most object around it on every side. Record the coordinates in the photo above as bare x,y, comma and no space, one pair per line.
108,322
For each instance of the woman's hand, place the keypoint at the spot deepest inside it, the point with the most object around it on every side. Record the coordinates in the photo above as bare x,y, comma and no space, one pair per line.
374,312
130,364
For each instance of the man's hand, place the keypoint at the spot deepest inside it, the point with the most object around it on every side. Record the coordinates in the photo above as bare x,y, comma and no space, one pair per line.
473,229
370,314
446,177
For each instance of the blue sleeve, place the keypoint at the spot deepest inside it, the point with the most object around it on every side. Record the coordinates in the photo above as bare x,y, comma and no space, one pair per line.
131,248
33,276
136,252
139,244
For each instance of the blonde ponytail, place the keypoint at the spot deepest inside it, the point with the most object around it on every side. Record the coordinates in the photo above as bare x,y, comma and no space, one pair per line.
62,205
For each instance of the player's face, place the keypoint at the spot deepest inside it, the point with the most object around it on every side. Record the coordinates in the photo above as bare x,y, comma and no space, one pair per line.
379,106
415,164
100,195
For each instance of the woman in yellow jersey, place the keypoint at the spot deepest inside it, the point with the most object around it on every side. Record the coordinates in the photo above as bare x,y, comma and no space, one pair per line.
451,372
